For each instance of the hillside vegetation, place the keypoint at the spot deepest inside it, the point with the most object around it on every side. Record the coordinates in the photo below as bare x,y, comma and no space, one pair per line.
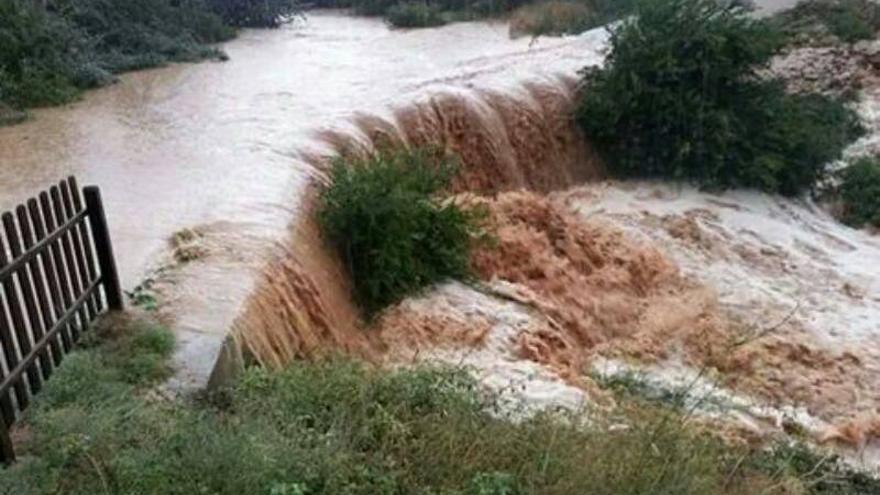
49,55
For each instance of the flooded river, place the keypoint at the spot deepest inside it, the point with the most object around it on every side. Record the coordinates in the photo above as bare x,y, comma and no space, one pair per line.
216,142
220,146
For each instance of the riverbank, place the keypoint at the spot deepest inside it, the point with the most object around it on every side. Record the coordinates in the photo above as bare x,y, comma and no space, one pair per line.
343,427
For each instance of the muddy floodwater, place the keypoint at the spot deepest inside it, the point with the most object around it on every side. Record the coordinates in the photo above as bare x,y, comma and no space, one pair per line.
216,143
219,146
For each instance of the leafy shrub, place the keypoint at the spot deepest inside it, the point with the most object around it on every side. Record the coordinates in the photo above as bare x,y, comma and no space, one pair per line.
860,193
34,69
255,13
680,97
395,235
553,17
410,15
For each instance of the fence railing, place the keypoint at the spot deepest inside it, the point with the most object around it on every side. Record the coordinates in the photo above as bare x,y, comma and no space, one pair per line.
55,259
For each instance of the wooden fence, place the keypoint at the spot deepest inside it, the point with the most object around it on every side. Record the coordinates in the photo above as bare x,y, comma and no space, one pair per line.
55,259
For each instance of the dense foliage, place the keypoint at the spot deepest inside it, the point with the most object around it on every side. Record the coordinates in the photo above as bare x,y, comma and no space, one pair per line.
420,13
410,15
340,427
255,13
394,233
860,193
48,55
681,97
848,20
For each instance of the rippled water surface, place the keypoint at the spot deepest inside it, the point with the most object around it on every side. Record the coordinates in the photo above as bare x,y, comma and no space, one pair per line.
216,142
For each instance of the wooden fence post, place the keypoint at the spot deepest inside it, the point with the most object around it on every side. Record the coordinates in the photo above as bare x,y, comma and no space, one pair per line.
7,453
103,248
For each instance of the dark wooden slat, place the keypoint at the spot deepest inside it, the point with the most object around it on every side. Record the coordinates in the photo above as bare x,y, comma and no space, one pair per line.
49,270
72,276
78,253
9,347
71,334
29,298
38,276
86,240
59,326
17,264
6,407
103,247
7,453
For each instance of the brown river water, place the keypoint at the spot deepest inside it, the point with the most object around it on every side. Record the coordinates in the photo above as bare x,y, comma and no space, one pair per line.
225,148
195,144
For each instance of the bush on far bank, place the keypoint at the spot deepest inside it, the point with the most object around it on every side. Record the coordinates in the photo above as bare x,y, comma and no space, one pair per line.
414,14
681,97
859,193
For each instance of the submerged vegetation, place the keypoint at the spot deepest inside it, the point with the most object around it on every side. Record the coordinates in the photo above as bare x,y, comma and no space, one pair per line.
681,97
341,427
392,230
559,17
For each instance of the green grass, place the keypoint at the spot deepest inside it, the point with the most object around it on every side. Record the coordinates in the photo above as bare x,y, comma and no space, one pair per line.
385,217
859,191
680,98
342,427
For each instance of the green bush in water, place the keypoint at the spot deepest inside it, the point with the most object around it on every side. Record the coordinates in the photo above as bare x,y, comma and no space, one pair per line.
409,15
394,233
680,98
860,193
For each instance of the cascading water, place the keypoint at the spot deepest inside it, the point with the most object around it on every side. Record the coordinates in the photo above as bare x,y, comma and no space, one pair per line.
522,139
